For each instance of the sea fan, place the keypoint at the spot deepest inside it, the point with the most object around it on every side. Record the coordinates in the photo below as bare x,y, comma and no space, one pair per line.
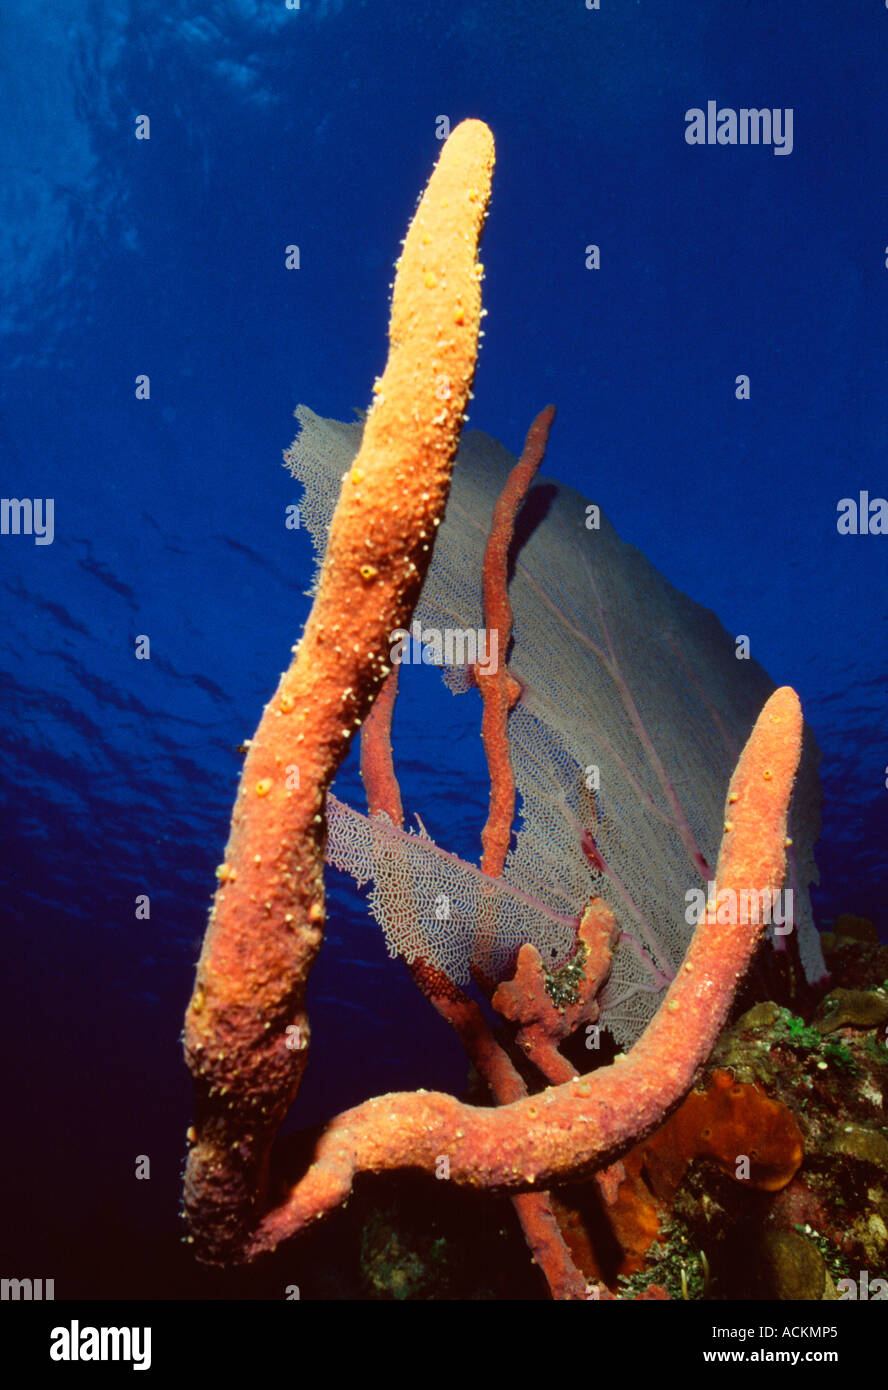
634,707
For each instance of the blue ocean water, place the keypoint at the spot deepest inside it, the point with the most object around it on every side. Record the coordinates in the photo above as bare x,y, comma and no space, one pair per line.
165,257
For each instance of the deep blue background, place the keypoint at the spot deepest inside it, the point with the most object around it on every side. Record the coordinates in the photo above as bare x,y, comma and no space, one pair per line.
166,257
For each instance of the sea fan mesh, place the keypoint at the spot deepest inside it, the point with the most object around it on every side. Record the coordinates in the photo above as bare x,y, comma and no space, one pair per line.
633,711
432,904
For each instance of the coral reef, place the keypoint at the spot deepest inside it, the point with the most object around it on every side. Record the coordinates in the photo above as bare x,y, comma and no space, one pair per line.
816,1227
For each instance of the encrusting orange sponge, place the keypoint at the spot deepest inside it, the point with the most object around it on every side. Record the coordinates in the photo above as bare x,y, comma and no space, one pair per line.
753,1139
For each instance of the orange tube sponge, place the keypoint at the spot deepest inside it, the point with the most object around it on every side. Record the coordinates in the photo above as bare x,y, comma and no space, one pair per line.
498,690
246,1032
